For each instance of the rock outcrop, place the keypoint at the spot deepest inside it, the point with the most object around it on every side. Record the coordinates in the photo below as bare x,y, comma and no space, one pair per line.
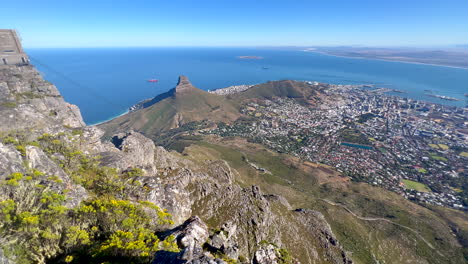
136,151
27,101
183,85
10,160
266,255
190,237
39,161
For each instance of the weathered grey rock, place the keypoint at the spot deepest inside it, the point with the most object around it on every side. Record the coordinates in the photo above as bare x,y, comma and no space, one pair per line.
10,161
315,223
165,160
136,151
265,255
28,101
90,141
190,236
172,197
38,160
279,199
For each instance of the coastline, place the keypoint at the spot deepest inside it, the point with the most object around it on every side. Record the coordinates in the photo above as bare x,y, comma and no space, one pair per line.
109,119
388,60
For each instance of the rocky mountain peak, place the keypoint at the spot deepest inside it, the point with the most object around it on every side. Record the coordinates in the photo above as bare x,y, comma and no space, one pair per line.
183,85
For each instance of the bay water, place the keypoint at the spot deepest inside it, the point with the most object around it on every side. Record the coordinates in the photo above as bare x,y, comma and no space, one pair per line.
104,82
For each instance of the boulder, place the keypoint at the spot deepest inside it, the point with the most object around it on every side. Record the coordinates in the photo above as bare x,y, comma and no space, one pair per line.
10,161
265,255
136,151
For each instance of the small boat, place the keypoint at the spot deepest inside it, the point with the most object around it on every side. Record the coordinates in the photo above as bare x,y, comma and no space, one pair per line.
153,80
265,68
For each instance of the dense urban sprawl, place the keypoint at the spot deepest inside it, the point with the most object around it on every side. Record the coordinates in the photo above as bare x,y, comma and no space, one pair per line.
415,148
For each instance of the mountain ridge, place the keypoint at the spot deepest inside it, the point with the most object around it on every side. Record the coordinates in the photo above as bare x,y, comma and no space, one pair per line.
180,105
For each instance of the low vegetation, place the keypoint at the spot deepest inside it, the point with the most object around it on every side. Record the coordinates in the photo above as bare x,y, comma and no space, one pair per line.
420,187
38,223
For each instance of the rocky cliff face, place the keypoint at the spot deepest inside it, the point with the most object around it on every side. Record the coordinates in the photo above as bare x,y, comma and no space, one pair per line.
184,85
27,101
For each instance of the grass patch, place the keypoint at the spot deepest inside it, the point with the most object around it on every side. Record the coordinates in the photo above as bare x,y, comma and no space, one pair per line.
443,146
283,173
354,136
9,104
422,170
437,157
420,187
434,146
28,95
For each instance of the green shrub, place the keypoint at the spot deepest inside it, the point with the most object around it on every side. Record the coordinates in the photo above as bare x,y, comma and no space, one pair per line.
9,104
36,226
21,149
99,230
77,132
9,140
133,172
284,257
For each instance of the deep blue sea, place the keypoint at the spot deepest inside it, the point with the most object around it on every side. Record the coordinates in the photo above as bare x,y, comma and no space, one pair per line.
104,82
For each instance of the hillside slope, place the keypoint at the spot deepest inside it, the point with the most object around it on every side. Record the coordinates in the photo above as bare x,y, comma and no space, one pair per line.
301,91
183,104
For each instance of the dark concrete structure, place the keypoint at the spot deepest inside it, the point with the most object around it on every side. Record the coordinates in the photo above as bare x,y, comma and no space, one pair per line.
11,51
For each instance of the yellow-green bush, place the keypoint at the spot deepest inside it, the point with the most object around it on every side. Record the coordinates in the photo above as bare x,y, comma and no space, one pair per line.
36,225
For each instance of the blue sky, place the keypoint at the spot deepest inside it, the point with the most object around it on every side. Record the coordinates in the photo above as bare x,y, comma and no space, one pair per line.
103,23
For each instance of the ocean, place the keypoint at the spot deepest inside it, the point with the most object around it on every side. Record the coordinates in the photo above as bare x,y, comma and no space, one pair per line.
104,82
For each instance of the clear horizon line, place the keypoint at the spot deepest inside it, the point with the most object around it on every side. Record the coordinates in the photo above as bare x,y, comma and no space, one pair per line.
253,46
